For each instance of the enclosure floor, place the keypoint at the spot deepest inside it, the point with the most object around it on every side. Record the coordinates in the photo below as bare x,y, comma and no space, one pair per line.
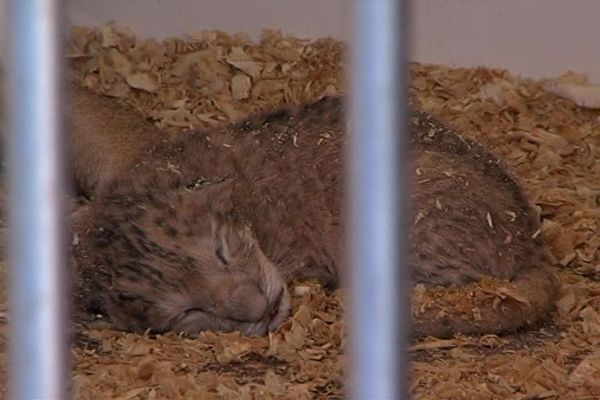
550,144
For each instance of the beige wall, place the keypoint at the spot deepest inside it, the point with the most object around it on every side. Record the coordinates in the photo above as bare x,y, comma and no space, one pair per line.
531,37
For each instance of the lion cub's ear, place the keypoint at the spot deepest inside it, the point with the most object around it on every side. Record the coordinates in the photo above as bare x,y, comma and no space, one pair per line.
220,239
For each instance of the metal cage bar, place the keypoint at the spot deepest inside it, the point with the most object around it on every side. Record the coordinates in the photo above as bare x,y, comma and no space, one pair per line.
37,276
377,239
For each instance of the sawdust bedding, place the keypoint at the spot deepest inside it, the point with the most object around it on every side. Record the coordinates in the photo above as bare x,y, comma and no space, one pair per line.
208,78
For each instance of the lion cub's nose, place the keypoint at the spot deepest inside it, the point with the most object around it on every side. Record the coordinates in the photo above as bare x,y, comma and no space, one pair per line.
247,303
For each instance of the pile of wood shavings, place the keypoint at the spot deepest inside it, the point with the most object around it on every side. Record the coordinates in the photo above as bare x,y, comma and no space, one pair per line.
206,78
211,77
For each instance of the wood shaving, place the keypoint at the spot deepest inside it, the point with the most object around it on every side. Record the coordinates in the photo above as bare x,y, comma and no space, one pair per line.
576,88
549,142
207,78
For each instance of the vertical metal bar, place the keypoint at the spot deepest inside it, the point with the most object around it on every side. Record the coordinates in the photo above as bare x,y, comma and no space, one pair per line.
37,275
377,122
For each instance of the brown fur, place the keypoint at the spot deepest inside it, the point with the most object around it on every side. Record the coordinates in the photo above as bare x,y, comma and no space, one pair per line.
96,123
283,174
177,261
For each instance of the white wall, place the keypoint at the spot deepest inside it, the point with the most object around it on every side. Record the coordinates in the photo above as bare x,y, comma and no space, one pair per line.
532,37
